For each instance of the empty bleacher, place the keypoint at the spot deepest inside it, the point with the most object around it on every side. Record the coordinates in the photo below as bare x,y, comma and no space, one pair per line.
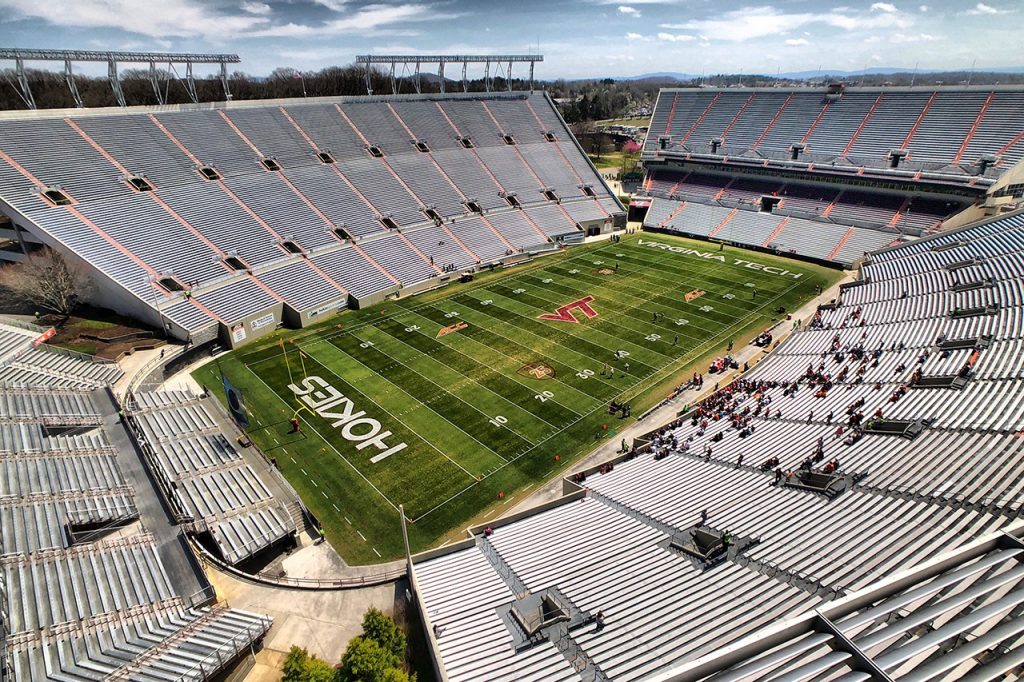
84,591
241,192
944,130
208,483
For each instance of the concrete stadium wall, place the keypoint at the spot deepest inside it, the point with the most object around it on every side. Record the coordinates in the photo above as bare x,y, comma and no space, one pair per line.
252,327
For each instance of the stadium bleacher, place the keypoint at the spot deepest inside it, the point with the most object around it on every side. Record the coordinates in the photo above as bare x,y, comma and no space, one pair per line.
896,160
944,130
206,480
859,484
235,197
85,590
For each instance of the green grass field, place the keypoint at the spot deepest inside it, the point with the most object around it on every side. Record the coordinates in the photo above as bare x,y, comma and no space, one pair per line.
485,409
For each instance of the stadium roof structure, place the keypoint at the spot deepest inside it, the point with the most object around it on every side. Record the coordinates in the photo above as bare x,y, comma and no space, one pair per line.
872,550
499,60
20,56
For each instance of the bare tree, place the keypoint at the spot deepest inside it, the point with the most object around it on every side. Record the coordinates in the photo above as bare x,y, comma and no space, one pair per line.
47,280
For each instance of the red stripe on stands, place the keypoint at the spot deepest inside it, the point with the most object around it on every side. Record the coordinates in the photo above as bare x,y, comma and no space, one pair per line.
95,145
240,134
775,233
565,159
1004,149
863,123
737,117
472,150
175,140
671,216
817,120
671,114
31,178
917,123
426,258
188,226
540,183
383,160
462,245
497,234
842,242
701,118
100,232
374,263
430,155
302,132
302,196
722,224
974,128
771,123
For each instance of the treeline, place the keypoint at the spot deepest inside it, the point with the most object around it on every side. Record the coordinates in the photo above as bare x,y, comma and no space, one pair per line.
50,91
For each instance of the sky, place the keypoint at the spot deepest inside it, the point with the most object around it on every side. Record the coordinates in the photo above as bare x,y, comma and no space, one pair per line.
578,38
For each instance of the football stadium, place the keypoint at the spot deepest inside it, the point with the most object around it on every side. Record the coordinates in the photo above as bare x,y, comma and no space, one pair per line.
420,355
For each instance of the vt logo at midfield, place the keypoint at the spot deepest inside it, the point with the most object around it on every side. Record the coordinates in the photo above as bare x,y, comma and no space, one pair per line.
564,314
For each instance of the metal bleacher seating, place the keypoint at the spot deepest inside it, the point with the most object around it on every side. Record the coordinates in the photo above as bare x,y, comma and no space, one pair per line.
238,193
888,519
23,361
784,234
84,592
943,129
208,483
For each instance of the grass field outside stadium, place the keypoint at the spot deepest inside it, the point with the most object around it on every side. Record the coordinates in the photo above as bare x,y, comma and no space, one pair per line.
454,403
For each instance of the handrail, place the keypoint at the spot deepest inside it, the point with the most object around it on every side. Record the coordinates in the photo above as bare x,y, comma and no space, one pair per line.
60,350
10,321
325,584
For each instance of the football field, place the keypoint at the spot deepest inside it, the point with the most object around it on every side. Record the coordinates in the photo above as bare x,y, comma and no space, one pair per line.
455,402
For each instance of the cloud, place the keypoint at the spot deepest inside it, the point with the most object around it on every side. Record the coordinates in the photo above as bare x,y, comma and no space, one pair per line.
178,18
260,8
924,8
631,11
913,38
757,22
369,19
982,8
673,38
883,7
636,36
333,5
797,42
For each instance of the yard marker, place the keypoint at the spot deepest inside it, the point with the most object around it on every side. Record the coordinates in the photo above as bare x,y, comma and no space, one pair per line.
335,507
323,493
293,460
314,483
361,535
304,472
347,521
376,552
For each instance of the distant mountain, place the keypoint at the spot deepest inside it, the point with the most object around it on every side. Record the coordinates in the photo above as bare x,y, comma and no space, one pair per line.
660,76
822,73
884,70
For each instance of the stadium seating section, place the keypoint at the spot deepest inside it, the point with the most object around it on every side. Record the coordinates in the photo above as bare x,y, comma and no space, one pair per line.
945,132
217,215
825,176
895,415
84,589
205,479
24,362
